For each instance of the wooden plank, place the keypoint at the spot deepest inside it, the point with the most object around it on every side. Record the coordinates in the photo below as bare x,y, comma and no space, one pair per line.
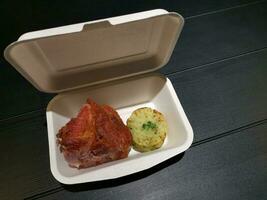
225,95
233,167
24,156
216,98
17,95
221,35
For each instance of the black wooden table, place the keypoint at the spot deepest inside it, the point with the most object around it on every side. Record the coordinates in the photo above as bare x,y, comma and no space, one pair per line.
219,71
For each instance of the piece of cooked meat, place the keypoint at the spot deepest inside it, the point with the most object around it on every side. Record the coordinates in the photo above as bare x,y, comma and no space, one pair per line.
97,135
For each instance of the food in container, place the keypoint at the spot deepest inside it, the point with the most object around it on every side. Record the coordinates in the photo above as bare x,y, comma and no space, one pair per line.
148,127
97,135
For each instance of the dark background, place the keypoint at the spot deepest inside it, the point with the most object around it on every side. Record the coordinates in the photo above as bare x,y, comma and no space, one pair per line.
219,71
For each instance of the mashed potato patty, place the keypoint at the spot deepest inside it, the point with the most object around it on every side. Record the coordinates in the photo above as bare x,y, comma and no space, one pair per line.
148,128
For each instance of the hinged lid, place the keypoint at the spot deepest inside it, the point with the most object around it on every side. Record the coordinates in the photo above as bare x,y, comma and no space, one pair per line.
74,56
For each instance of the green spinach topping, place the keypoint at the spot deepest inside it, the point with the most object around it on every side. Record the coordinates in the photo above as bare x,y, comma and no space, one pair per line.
149,125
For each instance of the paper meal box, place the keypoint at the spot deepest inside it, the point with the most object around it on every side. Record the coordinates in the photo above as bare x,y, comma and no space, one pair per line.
112,61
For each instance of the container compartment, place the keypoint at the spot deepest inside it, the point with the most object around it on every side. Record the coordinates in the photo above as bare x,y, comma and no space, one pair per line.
125,96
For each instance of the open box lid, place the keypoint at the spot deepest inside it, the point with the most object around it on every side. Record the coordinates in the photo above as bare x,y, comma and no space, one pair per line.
74,56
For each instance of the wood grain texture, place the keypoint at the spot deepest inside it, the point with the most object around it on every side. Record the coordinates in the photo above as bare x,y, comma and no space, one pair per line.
233,167
24,156
17,95
221,35
225,95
